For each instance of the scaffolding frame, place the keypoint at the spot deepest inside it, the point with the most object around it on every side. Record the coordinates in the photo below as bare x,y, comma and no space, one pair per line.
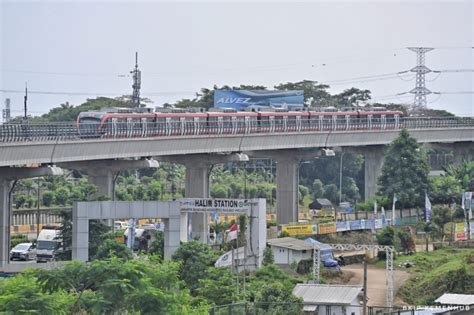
389,250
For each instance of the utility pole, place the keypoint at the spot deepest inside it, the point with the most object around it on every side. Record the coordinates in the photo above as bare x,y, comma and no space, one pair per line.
26,102
421,70
6,111
364,310
137,79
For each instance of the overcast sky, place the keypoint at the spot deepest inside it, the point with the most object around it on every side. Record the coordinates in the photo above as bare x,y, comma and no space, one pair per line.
88,47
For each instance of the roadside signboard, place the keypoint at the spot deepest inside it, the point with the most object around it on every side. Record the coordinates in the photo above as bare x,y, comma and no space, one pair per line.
299,229
241,99
325,228
460,232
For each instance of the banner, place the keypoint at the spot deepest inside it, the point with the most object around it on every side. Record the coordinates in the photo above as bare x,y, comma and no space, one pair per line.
241,99
460,232
379,224
342,226
325,228
299,229
356,225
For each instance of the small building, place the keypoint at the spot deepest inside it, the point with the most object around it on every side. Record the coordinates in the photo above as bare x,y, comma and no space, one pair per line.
323,299
287,250
321,204
459,304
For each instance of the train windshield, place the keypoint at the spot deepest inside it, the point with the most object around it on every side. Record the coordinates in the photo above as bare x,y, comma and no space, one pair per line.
89,123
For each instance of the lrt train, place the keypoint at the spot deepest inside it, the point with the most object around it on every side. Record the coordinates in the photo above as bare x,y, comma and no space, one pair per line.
132,123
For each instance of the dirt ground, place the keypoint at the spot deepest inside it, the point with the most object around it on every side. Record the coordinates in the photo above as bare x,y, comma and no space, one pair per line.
376,282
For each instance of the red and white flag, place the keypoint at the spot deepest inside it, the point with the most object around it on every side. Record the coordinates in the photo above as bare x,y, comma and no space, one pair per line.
232,232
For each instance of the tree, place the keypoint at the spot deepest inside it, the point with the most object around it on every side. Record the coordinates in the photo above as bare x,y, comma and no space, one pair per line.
276,298
405,171
351,97
195,258
62,196
464,174
331,192
318,189
218,287
441,216
407,243
23,295
111,248
385,237
445,189
315,94
268,258
48,198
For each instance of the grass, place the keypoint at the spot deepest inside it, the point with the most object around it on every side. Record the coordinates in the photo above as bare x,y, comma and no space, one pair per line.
446,270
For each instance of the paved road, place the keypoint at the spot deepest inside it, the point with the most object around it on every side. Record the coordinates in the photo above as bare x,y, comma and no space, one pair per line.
376,282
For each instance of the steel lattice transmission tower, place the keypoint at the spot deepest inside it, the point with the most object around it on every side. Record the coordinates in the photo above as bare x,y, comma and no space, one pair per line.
420,89
137,81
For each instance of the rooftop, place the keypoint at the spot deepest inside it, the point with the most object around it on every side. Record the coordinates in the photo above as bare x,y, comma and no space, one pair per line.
456,299
290,243
325,294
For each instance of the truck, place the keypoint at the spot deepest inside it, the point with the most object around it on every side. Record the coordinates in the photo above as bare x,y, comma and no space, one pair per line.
48,244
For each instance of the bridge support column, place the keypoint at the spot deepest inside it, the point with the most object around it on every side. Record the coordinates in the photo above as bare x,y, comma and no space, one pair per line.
7,176
104,181
5,186
197,186
374,156
287,181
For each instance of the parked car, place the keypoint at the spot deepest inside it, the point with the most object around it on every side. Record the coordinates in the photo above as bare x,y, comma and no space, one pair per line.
23,251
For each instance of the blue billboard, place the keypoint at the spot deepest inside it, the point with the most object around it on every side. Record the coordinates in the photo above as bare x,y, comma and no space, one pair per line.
241,99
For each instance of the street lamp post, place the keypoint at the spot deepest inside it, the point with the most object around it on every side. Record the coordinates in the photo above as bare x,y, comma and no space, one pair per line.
340,178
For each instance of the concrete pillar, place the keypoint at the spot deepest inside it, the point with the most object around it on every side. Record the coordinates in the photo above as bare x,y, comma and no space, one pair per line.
5,186
374,156
172,229
103,180
80,233
7,176
287,181
197,186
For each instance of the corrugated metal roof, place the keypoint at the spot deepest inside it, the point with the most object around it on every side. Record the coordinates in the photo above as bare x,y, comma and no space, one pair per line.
290,243
456,299
322,294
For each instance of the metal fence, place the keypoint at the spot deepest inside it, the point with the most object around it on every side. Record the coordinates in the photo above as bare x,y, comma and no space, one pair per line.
62,131
261,308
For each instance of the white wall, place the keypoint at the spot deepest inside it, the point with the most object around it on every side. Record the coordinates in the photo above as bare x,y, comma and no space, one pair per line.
281,255
338,310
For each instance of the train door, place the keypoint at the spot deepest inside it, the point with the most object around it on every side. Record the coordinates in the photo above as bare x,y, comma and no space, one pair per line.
397,121
196,125
271,123
220,125
144,127
182,126
369,121
320,122
114,127
347,122
234,123
285,123
129,129
383,122
298,123
168,126
334,122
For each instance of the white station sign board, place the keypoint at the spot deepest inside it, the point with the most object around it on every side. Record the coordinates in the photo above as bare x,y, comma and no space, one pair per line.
212,205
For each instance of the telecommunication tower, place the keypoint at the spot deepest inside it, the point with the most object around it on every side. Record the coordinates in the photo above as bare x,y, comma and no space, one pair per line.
137,74
6,112
420,89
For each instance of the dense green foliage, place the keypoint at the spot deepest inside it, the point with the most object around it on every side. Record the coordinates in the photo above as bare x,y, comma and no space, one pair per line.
405,172
439,272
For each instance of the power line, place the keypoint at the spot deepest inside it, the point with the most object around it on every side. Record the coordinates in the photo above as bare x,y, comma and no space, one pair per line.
97,94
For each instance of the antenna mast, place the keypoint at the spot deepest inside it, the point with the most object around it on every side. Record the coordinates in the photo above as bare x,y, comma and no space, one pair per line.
137,74
26,102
